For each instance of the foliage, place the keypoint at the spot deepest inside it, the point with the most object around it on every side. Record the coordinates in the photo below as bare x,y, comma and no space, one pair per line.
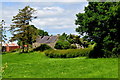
42,47
21,29
96,52
42,33
75,39
69,53
68,40
73,46
2,31
32,35
62,44
63,37
100,23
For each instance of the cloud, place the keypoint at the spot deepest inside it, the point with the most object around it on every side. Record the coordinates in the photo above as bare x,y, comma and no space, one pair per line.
53,22
62,27
54,17
49,11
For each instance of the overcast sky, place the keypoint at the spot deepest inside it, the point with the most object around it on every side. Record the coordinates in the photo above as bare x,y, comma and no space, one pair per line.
53,17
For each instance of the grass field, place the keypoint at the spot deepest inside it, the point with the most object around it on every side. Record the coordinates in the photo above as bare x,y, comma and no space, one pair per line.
37,65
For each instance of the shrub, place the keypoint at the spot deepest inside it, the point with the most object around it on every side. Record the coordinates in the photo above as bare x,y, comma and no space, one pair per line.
62,45
96,52
69,53
73,46
42,47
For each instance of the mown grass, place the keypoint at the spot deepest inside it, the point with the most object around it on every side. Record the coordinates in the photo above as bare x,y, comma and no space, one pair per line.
37,65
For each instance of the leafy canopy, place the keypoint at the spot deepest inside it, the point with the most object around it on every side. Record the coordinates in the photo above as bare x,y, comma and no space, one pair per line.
100,23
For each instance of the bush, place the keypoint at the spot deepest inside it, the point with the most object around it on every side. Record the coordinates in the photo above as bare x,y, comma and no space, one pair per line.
42,47
73,46
96,52
62,45
69,53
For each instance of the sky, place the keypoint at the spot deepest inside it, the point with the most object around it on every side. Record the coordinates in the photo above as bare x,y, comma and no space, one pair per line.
53,17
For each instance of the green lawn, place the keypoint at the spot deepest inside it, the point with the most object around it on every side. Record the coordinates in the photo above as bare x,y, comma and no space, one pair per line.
37,65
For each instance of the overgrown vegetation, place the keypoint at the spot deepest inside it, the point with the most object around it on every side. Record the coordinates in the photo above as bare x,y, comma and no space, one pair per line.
69,53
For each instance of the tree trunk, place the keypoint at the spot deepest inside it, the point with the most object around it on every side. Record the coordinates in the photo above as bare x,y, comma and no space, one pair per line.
28,38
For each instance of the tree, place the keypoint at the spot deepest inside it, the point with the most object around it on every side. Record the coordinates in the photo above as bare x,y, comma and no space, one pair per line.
62,44
64,37
75,39
20,28
100,23
32,33
2,32
42,33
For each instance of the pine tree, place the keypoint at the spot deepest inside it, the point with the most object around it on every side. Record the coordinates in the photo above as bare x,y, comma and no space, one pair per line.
2,31
21,27
2,34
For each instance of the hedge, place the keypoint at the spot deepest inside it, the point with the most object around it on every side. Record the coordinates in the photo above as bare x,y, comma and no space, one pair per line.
69,53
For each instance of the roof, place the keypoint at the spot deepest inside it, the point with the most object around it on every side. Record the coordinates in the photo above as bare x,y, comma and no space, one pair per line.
46,39
10,44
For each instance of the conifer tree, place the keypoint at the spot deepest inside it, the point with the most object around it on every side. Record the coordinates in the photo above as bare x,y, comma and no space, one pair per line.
21,29
2,31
